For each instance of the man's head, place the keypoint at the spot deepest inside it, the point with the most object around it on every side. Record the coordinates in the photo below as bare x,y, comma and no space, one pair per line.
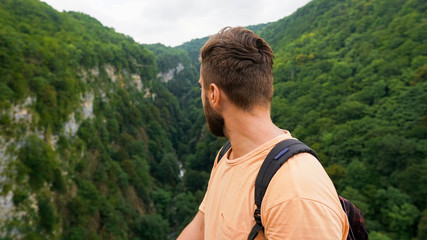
240,63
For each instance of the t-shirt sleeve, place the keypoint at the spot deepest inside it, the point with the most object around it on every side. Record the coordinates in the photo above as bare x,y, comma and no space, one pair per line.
300,218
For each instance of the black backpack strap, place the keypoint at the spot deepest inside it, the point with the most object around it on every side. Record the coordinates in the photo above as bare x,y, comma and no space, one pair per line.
224,150
274,160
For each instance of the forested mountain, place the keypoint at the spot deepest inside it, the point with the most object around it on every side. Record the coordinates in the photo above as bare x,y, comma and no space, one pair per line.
105,138
88,134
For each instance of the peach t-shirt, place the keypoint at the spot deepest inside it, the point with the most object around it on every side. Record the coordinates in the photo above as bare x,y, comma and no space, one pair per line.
300,202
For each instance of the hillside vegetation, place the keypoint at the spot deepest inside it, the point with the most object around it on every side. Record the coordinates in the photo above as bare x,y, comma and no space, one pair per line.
87,134
105,138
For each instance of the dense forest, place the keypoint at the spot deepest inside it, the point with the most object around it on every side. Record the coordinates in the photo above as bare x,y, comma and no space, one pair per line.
350,81
104,138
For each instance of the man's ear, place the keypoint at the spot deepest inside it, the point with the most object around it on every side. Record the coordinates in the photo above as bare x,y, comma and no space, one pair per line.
214,95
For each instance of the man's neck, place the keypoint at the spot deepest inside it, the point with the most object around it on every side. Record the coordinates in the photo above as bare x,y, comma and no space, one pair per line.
248,130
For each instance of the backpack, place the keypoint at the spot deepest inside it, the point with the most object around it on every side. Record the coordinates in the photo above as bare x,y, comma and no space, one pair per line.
274,160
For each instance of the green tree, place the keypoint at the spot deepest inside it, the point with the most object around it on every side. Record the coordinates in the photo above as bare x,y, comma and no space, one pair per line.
397,213
39,160
185,209
412,180
195,180
163,202
151,227
168,170
48,217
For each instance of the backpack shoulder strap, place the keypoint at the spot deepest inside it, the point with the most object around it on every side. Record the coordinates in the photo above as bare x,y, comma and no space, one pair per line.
274,160
224,150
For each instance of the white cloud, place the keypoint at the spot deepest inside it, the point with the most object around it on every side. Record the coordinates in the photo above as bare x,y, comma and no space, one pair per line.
174,22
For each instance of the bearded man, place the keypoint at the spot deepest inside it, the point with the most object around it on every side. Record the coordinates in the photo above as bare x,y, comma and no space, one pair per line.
301,202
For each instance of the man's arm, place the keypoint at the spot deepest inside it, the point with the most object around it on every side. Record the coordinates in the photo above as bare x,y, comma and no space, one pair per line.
195,230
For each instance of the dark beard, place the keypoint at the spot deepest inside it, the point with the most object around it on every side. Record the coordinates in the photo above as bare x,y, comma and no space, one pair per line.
215,120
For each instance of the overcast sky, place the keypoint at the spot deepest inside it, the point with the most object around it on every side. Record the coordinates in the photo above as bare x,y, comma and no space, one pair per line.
173,22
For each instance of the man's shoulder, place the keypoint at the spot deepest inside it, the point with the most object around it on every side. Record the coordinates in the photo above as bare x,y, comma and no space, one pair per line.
302,192
302,176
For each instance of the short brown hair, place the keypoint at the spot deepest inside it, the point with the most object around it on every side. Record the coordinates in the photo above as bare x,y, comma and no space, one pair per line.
240,63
